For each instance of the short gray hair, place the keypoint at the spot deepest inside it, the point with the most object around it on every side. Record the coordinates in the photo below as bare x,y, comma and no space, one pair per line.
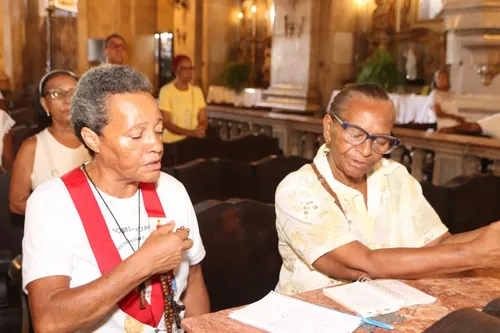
369,91
89,105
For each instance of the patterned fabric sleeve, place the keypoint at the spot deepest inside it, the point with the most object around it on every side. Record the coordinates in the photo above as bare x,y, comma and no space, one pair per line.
425,219
310,222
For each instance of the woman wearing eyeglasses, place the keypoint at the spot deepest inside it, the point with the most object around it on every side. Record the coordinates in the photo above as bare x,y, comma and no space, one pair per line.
55,150
354,213
182,104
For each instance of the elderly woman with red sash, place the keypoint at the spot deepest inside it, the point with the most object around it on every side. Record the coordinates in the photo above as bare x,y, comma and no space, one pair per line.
114,246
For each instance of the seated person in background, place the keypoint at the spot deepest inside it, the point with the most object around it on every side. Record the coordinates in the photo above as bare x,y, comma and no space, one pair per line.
6,146
53,151
182,104
94,244
489,126
444,101
115,50
358,214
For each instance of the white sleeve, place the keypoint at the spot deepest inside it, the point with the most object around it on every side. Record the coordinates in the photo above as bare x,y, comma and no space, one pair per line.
6,123
491,125
197,252
48,243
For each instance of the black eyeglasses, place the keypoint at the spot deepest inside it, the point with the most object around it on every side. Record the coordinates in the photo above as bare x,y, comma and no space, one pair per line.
355,135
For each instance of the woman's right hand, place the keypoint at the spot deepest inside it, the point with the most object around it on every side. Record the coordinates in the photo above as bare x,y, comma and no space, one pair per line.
162,250
487,246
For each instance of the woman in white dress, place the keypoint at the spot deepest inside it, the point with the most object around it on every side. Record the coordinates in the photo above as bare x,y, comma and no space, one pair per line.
444,101
53,151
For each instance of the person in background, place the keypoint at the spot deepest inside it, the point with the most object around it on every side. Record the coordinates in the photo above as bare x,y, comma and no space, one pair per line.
116,50
182,104
6,145
444,102
489,126
354,213
53,151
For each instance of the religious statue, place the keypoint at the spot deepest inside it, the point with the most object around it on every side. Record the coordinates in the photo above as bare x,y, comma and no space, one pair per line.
411,63
404,6
381,15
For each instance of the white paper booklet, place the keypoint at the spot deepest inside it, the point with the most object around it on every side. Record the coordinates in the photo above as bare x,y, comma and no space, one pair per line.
278,313
371,298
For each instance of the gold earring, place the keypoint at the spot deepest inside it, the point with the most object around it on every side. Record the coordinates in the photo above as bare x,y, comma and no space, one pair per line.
326,150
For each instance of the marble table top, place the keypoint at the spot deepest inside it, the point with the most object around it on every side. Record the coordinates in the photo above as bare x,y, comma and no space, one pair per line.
472,289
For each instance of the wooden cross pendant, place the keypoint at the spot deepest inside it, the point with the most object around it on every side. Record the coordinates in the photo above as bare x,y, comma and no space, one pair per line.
142,296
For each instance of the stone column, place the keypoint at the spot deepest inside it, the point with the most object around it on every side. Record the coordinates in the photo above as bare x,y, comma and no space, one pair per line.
295,42
473,45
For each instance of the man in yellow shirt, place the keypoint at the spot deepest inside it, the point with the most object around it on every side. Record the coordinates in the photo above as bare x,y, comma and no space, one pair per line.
182,104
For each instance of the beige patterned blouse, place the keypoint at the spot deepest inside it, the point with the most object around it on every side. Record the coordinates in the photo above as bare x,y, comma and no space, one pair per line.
310,224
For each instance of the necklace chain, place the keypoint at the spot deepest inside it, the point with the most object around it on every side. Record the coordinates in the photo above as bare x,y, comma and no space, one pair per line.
114,218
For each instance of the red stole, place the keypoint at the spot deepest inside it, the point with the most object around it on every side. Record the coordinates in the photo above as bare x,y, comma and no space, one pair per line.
104,249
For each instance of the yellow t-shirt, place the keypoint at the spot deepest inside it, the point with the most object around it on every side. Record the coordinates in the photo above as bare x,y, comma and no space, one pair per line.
184,107
310,224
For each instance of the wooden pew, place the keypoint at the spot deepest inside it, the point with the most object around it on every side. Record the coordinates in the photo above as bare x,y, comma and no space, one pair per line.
20,133
215,179
25,115
246,149
473,201
270,171
242,262
466,202
252,147
11,225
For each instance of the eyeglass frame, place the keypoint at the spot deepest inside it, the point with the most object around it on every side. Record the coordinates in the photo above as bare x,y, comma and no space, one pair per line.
345,125
191,68
117,46
66,92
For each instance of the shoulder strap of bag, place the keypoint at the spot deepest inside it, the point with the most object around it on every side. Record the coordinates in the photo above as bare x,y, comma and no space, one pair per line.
327,187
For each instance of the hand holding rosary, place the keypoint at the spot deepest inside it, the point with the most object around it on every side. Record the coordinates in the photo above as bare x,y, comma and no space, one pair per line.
168,286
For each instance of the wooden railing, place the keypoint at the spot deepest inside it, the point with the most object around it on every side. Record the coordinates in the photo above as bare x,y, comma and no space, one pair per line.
454,155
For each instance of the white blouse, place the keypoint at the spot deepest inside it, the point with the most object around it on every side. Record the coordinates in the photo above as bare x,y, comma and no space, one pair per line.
53,159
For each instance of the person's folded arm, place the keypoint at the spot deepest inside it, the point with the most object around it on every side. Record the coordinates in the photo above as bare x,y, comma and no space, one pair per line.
203,118
173,128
